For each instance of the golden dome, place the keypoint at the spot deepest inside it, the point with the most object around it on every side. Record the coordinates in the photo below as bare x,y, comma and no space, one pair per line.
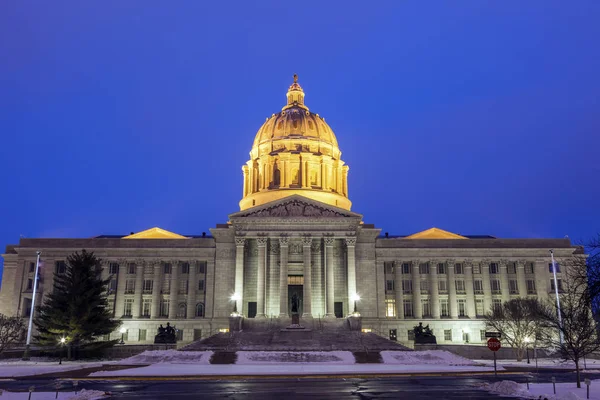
295,152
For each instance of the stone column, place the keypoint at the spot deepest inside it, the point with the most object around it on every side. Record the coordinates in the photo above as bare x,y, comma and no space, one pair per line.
139,287
174,292
504,289
399,292
487,287
452,291
120,301
239,273
260,284
307,287
156,290
245,173
434,296
191,295
416,283
521,278
329,277
468,266
283,276
351,243
542,280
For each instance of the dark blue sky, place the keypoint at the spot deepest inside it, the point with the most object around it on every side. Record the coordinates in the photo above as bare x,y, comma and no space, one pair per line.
476,117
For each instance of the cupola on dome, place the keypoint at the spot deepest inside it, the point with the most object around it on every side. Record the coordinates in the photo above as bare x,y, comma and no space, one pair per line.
295,152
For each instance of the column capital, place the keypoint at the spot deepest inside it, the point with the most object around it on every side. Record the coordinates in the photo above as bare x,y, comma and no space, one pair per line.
284,241
521,263
503,263
307,241
351,241
262,241
240,241
329,241
450,263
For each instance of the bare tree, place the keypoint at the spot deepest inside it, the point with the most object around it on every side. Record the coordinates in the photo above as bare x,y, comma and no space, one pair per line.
575,333
11,331
518,321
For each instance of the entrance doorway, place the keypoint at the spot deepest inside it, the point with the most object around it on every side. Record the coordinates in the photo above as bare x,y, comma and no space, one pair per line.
297,290
251,309
338,309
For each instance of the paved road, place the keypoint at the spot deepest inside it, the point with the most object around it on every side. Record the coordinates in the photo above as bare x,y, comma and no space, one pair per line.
413,388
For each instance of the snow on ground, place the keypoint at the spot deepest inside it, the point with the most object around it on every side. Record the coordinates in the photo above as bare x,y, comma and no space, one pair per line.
169,356
80,395
16,368
429,357
543,363
279,357
564,391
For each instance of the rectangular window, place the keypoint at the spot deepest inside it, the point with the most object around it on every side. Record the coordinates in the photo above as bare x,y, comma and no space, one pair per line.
167,268
494,268
478,286
60,267
113,268
197,334
112,286
559,282
458,268
29,284
128,307
424,269
441,269
531,286
512,268
166,286
497,304
148,283
476,268
130,286
462,308
388,266
482,335
131,268
201,267
408,308
185,268
32,267
513,286
406,268
424,287
146,307
460,286
529,268
495,286
26,307
443,286
390,308
407,286
142,335
425,307
556,265
164,308
479,310
389,285
183,287
201,285
448,335
444,308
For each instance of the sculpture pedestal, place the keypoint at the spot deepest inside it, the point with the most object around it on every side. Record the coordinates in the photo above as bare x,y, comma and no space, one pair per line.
235,323
295,319
355,322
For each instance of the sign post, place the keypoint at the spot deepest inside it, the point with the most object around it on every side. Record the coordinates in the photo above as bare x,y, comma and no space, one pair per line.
494,345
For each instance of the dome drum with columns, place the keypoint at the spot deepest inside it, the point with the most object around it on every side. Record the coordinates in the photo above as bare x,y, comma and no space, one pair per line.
295,152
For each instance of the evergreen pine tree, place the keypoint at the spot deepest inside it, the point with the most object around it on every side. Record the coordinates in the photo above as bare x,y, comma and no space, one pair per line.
77,308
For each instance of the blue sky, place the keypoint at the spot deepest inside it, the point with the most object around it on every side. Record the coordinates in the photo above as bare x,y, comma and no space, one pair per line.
474,117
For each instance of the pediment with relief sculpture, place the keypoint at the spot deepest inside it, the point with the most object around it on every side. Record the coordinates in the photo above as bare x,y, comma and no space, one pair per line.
295,207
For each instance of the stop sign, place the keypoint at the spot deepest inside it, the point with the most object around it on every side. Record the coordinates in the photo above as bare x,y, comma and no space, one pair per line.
493,344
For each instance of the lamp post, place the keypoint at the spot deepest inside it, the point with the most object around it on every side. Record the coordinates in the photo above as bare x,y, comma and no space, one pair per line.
356,298
527,340
35,281
122,330
62,346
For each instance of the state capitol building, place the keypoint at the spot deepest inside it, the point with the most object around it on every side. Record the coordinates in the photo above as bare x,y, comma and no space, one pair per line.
295,234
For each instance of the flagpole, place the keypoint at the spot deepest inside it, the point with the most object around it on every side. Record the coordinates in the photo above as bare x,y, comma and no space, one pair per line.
557,299
35,282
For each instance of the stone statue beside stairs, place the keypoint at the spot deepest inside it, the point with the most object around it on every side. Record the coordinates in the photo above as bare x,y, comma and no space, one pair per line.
166,335
424,335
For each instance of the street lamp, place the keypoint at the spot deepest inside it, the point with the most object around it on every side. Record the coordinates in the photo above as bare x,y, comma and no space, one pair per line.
527,340
62,345
355,298
235,298
122,330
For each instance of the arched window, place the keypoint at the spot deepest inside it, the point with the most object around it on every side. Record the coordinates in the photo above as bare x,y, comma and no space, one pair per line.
182,310
200,310
310,125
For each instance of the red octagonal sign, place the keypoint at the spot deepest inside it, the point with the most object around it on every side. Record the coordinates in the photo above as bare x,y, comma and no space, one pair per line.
493,344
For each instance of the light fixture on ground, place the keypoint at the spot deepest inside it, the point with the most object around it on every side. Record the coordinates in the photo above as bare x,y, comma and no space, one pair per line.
62,345
235,298
355,299
527,340
122,330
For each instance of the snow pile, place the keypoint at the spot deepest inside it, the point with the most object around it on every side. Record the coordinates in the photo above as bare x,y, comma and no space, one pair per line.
279,357
169,356
544,391
87,395
509,388
429,357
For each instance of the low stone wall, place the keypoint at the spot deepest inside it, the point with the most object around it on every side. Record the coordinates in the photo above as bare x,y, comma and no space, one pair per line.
478,352
115,352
